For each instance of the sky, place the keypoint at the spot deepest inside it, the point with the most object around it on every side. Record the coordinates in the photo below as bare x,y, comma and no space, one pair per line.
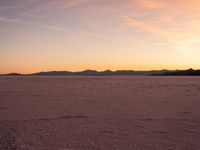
74,35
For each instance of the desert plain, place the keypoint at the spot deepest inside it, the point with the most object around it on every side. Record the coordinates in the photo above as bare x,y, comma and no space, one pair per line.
99,113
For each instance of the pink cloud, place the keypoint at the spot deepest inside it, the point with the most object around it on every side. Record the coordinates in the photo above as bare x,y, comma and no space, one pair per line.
7,20
142,25
150,4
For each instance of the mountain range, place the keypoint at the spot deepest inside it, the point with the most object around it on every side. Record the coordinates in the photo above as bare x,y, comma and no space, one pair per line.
189,72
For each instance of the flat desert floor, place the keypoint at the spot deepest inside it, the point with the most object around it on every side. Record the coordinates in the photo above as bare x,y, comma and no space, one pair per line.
100,113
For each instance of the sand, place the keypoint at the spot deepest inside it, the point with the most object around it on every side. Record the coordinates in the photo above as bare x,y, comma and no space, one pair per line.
100,113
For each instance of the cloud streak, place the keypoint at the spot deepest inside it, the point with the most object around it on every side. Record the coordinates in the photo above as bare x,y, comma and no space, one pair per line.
7,20
150,4
58,5
47,26
16,5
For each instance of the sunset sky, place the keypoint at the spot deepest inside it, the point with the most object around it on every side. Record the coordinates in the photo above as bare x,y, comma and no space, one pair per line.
41,35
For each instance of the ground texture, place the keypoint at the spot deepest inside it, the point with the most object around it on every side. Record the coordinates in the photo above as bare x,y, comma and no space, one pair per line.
100,113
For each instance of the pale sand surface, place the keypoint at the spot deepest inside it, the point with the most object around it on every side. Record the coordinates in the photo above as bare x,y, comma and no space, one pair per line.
100,113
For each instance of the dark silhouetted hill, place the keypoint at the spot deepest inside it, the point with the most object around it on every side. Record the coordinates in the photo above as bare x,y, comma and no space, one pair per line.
12,74
89,73
189,72
99,73
52,73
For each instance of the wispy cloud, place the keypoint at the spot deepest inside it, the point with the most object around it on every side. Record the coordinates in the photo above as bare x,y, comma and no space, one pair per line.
142,25
31,15
51,27
58,5
150,4
173,20
17,21
146,26
16,5
5,8
8,20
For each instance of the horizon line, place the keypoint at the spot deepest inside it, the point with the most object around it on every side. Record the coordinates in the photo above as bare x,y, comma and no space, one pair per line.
97,71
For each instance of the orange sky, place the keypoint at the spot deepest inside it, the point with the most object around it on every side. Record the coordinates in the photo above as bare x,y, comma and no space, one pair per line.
76,35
